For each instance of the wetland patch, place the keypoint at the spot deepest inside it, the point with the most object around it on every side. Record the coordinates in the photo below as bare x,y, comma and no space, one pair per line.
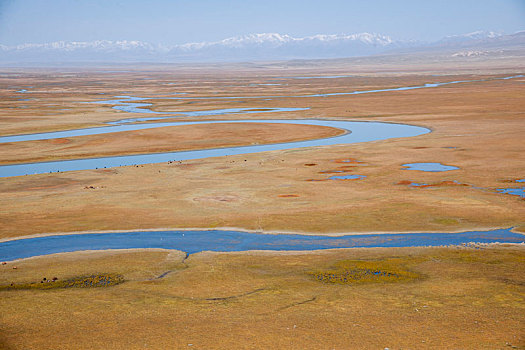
360,271
347,177
520,191
517,191
91,281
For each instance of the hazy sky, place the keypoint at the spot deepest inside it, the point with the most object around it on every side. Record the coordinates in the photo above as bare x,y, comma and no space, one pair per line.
182,21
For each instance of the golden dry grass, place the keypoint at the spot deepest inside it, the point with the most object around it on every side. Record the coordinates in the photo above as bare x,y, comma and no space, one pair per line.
463,298
166,139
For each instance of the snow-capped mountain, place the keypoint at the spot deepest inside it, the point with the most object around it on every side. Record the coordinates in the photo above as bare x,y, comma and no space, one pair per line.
277,46
278,40
265,46
68,51
98,45
248,47
270,39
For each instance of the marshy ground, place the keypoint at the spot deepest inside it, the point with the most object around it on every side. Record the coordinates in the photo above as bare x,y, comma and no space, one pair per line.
355,298
477,127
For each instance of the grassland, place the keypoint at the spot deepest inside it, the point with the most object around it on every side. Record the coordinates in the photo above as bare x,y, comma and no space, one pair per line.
167,139
463,298
410,298
477,127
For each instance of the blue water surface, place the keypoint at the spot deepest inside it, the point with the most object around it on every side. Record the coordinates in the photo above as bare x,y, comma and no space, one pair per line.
231,241
520,191
429,167
346,177
356,132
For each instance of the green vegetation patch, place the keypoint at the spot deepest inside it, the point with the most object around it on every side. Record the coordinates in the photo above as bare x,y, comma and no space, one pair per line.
93,281
359,271
446,221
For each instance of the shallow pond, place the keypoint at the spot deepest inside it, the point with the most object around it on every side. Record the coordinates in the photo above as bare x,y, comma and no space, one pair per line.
520,191
429,167
346,177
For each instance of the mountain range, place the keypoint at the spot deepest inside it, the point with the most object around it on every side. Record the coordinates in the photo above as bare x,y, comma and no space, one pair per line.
253,47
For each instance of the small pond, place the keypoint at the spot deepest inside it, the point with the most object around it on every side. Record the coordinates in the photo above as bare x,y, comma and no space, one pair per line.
429,167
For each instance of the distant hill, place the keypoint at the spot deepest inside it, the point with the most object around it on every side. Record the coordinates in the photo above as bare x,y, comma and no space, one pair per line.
480,42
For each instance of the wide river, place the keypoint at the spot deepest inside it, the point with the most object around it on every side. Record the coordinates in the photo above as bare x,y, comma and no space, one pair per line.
231,241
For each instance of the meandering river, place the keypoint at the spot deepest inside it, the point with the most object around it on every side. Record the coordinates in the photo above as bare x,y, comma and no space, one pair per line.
196,241
355,132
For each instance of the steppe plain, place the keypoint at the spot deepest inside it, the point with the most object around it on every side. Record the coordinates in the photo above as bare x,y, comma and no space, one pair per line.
450,297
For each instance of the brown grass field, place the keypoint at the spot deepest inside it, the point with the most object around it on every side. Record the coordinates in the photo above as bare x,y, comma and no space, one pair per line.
456,298
397,298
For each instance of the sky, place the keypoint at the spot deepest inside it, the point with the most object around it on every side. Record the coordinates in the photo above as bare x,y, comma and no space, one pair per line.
182,21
